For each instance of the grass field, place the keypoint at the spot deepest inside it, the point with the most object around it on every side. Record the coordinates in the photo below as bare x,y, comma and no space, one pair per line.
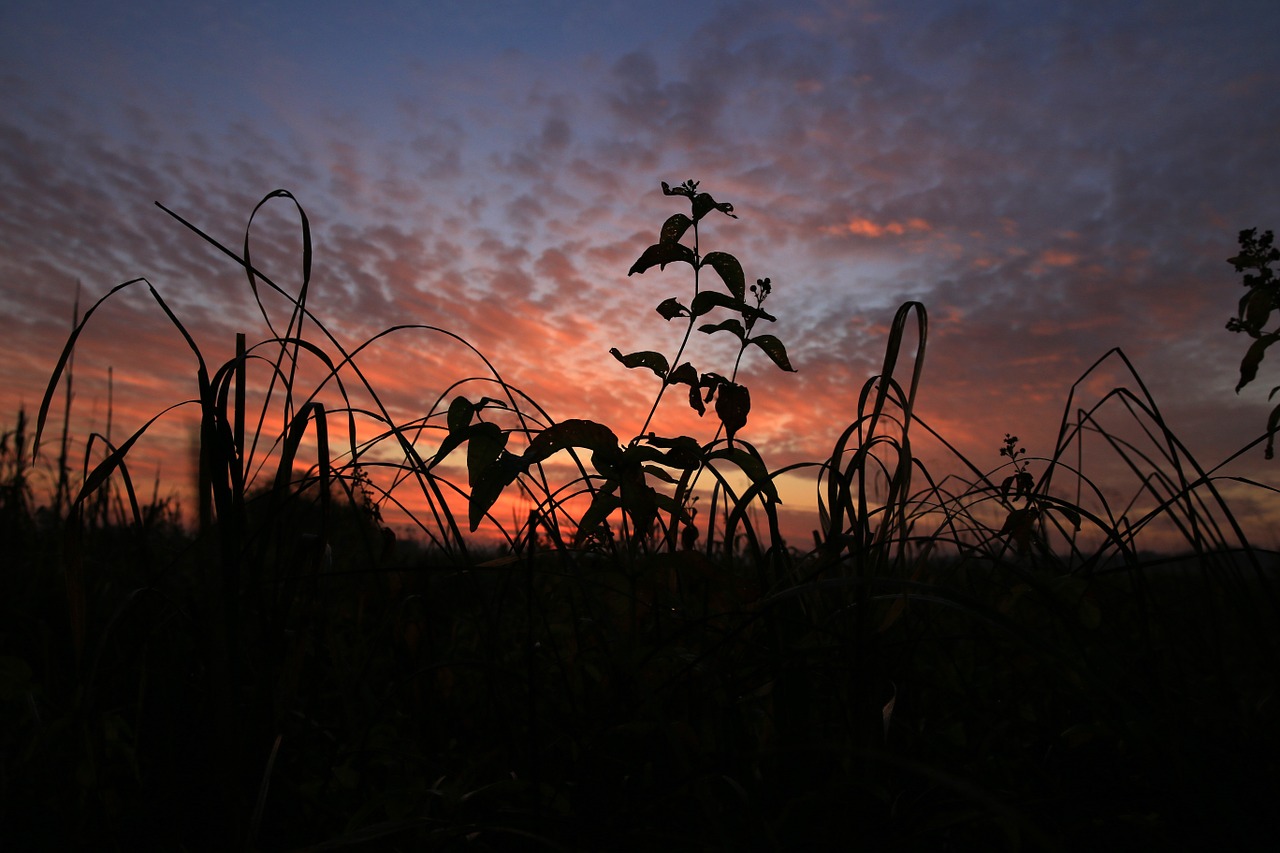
986,660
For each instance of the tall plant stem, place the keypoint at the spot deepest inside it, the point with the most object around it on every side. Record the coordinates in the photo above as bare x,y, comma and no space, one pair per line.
684,342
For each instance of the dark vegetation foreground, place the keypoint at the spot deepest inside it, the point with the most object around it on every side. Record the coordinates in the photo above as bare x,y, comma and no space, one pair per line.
947,667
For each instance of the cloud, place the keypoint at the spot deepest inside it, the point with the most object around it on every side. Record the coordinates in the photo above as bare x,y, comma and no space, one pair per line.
1049,183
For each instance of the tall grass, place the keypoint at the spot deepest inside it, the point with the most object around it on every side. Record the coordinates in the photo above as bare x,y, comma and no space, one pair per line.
989,659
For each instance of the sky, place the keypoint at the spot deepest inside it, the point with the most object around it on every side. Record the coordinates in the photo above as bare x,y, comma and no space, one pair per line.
1050,180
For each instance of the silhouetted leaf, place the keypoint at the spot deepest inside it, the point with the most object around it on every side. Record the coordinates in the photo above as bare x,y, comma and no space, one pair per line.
729,270
661,254
730,325
695,401
680,452
659,473
1252,358
654,361
1256,308
703,204
1020,526
574,432
671,308
733,402
460,412
488,485
685,374
774,349
673,229
485,443
708,300
602,506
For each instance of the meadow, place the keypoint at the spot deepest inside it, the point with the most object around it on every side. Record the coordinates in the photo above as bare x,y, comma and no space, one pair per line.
969,660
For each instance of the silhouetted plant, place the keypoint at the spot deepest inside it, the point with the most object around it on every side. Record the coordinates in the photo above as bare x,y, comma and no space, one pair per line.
1257,254
1023,523
623,474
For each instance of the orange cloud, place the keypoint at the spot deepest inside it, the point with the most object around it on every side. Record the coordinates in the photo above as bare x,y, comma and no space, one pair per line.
862,227
1058,258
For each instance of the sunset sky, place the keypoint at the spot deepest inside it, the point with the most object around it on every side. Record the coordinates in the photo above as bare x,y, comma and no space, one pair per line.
1050,179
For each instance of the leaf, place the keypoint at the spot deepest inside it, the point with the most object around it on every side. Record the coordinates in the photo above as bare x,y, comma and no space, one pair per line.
1257,307
672,308
1020,525
732,405
695,401
684,374
460,413
1005,486
486,442
602,506
775,350
730,325
703,204
489,484
673,229
661,254
730,271
681,452
1252,358
659,473
574,432
709,300
655,361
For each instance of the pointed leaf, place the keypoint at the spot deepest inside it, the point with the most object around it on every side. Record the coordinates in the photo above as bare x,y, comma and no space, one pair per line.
451,442
1252,358
654,361
603,505
660,474
488,486
486,441
730,271
460,413
661,254
1257,308
703,204
1006,486
672,308
732,405
730,325
775,350
685,375
574,432
682,451
707,300
695,401
673,229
